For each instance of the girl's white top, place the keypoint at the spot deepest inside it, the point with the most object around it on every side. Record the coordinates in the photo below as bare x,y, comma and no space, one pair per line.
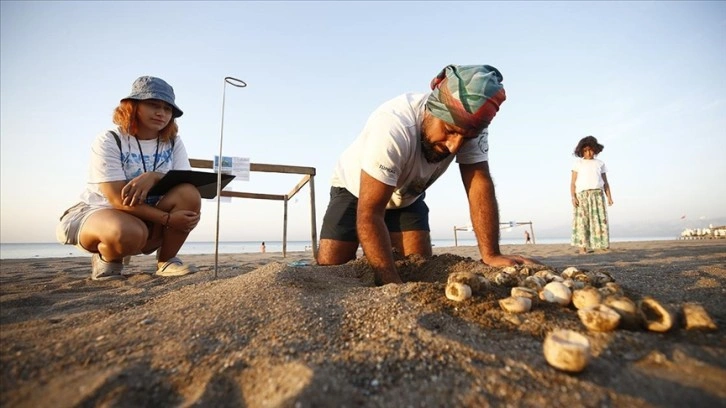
589,174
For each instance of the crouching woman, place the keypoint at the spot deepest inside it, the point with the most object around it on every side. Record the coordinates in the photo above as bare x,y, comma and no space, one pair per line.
116,216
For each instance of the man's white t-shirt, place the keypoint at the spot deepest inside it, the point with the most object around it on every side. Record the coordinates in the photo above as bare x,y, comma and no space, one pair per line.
389,150
107,164
589,174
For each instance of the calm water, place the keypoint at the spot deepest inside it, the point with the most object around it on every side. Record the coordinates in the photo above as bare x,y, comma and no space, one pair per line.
55,250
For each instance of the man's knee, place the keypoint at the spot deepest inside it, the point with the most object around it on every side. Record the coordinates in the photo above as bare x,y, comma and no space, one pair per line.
333,252
416,242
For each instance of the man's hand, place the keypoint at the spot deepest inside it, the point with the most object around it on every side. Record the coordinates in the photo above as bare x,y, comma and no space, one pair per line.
508,260
383,277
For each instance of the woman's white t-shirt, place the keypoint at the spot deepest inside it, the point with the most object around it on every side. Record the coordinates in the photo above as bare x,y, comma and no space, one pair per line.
108,164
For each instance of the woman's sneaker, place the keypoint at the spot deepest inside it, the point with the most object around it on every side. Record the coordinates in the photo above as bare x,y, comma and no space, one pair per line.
175,267
103,270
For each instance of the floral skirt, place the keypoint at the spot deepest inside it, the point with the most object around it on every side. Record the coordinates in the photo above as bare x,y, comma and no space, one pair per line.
590,221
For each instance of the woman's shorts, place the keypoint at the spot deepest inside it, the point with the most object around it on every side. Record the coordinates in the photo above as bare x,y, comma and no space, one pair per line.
339,222
68,230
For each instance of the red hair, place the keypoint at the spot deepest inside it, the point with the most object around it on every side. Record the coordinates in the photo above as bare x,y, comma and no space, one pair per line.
125,116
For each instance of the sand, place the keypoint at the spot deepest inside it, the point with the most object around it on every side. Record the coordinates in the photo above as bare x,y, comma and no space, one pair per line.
268,334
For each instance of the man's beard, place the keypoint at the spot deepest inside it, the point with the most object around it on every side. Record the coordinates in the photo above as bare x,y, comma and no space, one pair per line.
427,148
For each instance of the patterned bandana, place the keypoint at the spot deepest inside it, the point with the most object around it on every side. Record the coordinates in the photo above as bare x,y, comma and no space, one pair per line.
467,96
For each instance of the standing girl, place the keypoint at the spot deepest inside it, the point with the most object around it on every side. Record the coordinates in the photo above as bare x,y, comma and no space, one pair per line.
590,230
116,216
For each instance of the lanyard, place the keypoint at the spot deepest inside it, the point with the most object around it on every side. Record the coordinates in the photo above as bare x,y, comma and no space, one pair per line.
156,155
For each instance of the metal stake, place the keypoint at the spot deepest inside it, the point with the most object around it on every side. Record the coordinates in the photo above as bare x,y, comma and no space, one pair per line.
239,84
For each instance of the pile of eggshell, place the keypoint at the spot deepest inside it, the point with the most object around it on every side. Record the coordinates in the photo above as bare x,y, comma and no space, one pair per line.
600,302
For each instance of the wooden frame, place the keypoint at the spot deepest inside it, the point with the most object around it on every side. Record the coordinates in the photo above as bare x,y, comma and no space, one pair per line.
501,225
308,177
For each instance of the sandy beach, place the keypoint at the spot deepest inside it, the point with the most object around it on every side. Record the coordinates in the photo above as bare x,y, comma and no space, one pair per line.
282,332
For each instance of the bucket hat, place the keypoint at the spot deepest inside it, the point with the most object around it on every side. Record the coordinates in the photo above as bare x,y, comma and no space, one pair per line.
149,87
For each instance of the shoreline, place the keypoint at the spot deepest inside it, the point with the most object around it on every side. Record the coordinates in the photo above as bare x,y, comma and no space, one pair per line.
17,250
450,248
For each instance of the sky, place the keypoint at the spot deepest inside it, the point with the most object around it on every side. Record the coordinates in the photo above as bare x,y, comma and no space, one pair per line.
648,79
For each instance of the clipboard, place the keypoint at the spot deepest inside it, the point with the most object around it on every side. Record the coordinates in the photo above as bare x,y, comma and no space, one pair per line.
204,181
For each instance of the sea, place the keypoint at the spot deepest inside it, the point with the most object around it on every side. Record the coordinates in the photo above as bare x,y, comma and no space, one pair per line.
55,250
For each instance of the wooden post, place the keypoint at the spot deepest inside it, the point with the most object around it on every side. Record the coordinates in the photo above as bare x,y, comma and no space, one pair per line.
456,240
313,225
531,229
284,229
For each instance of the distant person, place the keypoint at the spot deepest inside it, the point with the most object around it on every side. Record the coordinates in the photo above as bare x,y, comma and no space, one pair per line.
589,187
263,248
527,238
116,216
379,183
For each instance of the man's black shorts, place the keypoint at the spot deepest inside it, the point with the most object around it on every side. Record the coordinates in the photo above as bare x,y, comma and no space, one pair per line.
339,221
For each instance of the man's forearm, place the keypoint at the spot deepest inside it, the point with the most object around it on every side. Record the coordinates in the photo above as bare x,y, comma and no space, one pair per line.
376,243
485,217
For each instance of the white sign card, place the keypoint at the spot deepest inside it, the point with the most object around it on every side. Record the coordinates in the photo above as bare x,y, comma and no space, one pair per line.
237,166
